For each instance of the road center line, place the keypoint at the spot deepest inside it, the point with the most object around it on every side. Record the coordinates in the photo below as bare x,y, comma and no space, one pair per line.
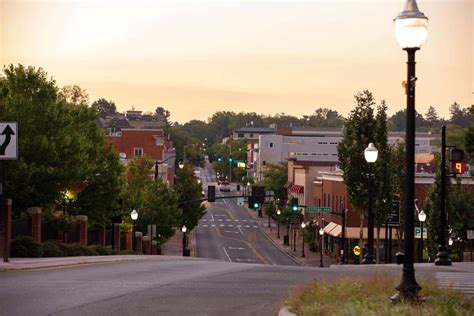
228,231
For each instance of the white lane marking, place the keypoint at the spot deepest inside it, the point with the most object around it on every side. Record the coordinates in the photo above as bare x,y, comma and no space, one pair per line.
228,220
228,231
240,230
236,248
213,225
247,226
239,225
212,217
252,221
220,215
255,226
244,220
225,251
236,220
220,220
244,260
204,220
221,225
230,225
204,225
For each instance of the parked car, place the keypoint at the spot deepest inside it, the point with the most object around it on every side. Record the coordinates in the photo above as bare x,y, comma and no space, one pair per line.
224,186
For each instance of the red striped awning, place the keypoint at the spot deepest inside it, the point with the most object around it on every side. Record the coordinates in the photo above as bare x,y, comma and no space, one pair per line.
297,189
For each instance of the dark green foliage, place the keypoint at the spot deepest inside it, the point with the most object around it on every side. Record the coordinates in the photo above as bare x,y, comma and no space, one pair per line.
51,249
26,247
101,250
104,107
275,178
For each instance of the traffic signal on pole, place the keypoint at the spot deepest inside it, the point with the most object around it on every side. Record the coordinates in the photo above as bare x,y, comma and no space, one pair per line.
294,205
253,203
258,193
457,166
219,159
211,193
231,159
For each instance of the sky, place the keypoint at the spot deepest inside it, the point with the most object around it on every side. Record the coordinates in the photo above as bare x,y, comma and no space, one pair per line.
195,58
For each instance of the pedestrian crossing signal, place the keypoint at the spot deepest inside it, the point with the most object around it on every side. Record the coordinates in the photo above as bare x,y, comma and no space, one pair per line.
458,167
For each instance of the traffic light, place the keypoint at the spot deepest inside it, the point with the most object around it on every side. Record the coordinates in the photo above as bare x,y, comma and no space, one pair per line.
231,159
253,203
294,205
211,193
258,193
457,166
219,158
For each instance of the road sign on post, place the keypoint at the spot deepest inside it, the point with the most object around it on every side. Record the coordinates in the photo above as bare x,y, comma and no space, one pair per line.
319,209
393,217
8,141
240,201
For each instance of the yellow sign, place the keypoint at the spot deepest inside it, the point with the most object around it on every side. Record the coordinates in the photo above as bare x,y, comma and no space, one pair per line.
357,250
241,165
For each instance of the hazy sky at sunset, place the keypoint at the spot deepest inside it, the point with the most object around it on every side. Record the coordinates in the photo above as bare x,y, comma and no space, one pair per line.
198,57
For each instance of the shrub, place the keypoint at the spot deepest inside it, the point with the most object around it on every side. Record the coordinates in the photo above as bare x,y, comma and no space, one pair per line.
52,249
101,250
26,247
127,252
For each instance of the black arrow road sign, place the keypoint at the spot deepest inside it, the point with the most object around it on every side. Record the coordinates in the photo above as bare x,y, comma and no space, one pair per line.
8,132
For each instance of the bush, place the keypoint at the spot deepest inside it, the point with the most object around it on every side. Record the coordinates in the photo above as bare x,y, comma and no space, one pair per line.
52,249
127,252
80,250
101,250
26,247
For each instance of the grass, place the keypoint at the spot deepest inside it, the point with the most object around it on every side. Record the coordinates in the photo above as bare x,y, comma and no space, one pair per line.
357,296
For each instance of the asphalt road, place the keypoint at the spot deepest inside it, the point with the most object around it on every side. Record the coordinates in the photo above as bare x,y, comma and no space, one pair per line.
227,232
162,285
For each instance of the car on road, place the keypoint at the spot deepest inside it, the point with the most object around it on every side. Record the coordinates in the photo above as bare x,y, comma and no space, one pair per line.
224,186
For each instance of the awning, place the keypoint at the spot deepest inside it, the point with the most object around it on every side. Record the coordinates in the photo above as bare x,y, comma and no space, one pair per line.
297,189
335,230
288,184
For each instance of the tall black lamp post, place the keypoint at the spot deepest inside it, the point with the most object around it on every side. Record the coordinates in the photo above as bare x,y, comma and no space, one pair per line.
370,153
422,219
134,216
185,241
321,235
278,223
303,226
343,237
411,29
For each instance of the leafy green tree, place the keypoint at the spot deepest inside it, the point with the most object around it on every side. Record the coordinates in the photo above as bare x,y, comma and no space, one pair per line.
73,95
459,116
432,117
104,107
432,206
189,189
275,178
397,122
397,162
59,142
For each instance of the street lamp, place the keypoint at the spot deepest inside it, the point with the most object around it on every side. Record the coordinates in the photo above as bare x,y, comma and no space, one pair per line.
370,153
422,219
321,235
278,223
185,241
411,28
134,216
303,225
181,164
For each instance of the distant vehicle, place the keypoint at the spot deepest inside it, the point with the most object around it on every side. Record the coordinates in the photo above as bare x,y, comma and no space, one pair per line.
224,186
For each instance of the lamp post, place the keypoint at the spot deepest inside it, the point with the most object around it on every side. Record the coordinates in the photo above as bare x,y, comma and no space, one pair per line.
181,164
134,216
185,241
278,223
411,29
321,235
303,225
422,219
343,236
160,162
370,154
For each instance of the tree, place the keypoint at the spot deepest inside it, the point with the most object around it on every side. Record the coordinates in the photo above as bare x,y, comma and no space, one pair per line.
383,175
397,161
189,189
59,142
104,107
432,117
73,95
459,116
397,122
275,178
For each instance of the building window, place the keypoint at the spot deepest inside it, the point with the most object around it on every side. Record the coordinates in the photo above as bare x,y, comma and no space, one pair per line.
138,151
240,135
251,135
270,144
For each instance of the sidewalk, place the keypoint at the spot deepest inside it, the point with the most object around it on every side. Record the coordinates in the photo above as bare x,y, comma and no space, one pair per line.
310,259
174,245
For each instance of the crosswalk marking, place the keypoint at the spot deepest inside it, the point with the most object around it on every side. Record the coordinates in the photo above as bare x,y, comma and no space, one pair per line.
462,281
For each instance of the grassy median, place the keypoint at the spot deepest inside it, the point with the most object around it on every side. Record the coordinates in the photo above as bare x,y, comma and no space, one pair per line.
357,296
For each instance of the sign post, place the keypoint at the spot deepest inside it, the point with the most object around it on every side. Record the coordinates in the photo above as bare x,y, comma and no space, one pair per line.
8,151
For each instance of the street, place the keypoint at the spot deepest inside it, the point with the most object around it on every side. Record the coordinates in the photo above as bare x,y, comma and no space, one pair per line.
227,232
162,285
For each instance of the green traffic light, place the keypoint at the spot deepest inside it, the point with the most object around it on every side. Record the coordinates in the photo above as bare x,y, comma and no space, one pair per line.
255,205
295,208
